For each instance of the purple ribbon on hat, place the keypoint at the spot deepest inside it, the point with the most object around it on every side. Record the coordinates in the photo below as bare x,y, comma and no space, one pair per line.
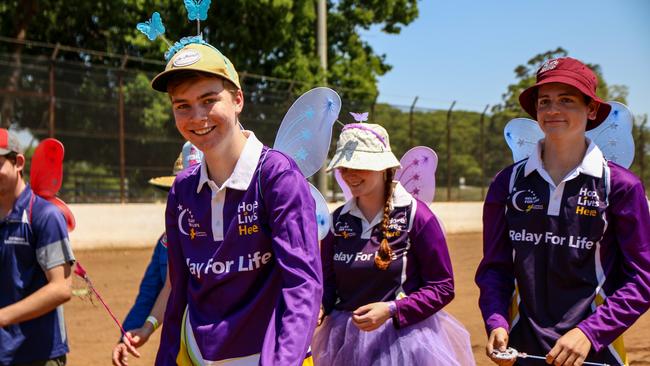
361,126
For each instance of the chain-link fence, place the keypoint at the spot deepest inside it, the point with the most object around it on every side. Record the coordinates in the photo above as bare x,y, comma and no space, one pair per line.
118,133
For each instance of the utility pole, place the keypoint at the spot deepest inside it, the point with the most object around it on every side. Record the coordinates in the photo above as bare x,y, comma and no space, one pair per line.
321,38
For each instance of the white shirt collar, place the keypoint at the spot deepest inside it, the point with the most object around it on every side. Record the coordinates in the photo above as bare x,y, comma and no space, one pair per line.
244,171
592,163
401,198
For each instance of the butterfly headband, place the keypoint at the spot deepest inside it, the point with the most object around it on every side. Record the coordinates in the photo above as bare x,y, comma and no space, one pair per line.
154,27
362,117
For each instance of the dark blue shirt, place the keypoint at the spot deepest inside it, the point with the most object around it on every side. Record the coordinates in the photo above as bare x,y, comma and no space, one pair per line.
33,239
150,286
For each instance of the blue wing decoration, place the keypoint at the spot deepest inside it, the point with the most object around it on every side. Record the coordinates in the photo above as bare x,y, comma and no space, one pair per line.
614,135
153,27
197,9
322,212
522,135
306,130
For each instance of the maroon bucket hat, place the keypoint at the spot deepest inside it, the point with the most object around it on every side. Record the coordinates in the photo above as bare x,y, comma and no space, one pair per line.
569,71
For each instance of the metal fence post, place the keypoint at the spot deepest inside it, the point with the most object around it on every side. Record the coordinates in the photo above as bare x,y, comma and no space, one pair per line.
449,150
482,151
411,121
52,110
121,130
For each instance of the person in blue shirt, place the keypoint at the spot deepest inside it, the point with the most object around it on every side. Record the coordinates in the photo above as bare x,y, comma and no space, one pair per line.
146,314
35,268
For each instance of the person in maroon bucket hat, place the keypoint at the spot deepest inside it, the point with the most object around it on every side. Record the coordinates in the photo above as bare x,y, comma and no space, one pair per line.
566,239
568,71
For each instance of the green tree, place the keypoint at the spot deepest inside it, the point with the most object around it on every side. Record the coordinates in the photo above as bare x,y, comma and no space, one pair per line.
275,38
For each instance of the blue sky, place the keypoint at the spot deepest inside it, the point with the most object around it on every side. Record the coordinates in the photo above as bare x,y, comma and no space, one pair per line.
467,50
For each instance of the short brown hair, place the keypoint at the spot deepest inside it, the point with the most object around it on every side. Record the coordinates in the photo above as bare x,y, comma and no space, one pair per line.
184,75
11,156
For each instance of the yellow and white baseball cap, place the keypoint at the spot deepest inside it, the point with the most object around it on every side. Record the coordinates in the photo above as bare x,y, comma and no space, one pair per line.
197,57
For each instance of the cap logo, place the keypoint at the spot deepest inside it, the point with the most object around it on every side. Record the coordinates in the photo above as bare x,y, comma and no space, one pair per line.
186,58
549,65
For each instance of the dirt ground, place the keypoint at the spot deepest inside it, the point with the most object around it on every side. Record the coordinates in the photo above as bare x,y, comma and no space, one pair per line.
116,274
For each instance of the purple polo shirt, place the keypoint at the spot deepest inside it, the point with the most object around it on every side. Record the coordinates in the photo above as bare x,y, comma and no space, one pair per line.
243,262
419,277
572,255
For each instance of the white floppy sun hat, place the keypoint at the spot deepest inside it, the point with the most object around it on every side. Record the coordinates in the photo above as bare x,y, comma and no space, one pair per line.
363,146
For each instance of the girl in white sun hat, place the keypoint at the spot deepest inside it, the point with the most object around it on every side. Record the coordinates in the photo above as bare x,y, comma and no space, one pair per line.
387,272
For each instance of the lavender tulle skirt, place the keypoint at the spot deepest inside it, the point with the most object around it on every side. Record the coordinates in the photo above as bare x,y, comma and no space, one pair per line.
439,340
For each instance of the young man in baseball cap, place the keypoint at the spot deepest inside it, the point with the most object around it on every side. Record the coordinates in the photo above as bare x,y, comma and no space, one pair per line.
35,267
566,267
244,261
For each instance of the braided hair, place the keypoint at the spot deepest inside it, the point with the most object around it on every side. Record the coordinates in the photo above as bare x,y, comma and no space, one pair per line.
384,254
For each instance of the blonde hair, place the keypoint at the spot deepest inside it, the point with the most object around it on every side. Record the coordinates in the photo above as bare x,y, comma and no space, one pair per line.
385,253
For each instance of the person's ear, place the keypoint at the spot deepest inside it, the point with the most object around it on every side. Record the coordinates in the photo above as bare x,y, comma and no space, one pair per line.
592,109
239,101
20,162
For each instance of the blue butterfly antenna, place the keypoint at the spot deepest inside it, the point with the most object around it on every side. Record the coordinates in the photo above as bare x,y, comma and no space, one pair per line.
153,28
197,10
341,123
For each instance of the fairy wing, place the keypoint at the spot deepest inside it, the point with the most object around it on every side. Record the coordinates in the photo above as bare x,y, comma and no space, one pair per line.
47,174
306,130
418,173
614,135
47,168
522,135
322,212
70,221
305,135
